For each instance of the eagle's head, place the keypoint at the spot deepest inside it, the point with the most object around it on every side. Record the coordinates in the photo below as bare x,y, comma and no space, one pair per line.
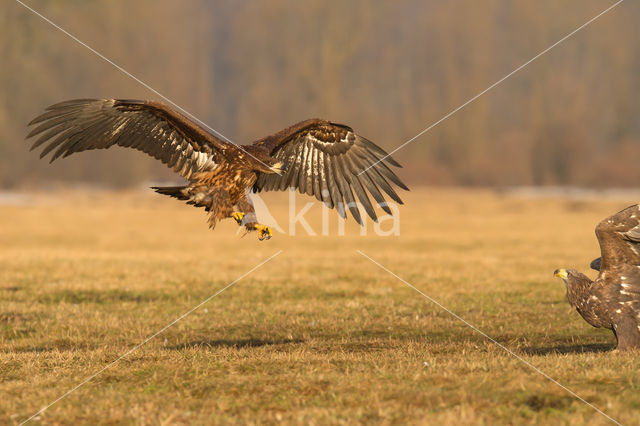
576,282
278,167
270,166
572,278
561,273
570,275
262,161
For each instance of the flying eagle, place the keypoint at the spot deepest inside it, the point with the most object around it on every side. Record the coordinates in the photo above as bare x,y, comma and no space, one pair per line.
316,157
613,300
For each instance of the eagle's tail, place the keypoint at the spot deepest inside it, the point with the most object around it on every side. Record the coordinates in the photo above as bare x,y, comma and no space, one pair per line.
179,192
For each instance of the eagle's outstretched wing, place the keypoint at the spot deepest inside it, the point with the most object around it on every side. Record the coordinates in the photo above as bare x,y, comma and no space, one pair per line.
619,238
325,160
152,127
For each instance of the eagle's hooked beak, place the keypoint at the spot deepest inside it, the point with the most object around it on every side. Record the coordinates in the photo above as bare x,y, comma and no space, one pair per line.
279,167
560,273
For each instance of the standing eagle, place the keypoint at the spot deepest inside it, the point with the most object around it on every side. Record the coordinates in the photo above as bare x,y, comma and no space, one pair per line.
613,300
316,157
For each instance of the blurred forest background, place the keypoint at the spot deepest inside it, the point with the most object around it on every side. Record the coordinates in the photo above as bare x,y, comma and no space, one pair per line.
388,69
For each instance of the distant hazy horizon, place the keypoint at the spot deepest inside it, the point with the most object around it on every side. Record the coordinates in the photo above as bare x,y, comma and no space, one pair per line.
571,118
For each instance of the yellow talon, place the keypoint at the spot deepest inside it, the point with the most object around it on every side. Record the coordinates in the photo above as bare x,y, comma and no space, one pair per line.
264,232
237,216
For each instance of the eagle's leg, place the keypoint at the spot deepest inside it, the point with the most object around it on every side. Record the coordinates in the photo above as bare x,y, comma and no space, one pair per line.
218,203
246,215
627,334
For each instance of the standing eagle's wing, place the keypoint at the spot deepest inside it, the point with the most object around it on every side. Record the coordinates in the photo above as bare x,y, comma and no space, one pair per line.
331,162
619,238
151,127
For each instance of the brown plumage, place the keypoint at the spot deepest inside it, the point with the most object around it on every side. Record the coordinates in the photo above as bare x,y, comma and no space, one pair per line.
315,156
613,300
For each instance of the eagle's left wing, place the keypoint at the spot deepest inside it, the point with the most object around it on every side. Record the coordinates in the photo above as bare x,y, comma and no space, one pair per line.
331,162
619,238
151,127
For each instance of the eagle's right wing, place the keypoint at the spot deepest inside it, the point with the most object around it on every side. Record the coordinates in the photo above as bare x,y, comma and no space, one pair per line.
333,163
152,127
619,238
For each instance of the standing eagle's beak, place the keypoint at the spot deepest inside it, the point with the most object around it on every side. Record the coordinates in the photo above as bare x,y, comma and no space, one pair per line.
560,273
279,168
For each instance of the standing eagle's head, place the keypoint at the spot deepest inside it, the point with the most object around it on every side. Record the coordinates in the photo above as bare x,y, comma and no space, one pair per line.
576,282
572,277
562,273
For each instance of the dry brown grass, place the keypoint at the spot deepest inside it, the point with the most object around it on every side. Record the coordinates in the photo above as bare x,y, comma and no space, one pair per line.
318,335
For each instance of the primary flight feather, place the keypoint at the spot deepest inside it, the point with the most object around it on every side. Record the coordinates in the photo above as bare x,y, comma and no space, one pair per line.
316,157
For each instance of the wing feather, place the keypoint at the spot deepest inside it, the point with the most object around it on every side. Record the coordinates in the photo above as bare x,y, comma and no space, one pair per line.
379,151
54,121
371,187
51,133
292,180
70,144
317,170
336,190
310,171
47,115
347,193
325,194
619,238
359,190
303,169
380,180
633,235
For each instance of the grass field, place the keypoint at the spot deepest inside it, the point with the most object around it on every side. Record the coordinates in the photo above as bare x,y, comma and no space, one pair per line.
317,335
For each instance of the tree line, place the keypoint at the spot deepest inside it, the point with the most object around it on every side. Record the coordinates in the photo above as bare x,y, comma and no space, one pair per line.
388,69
